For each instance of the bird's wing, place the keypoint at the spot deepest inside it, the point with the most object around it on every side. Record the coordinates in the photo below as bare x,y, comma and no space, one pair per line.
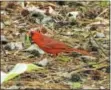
55,45
50,43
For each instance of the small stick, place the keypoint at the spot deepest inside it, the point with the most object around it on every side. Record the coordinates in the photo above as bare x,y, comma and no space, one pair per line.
102,12
100,47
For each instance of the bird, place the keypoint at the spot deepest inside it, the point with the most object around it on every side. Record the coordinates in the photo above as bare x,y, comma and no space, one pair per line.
52,46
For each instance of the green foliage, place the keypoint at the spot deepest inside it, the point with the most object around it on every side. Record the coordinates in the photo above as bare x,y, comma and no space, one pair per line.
16,70
10,76
33,67
104,3
76,85
27,40
63,58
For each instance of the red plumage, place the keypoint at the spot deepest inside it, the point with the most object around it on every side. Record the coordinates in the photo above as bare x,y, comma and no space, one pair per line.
52,46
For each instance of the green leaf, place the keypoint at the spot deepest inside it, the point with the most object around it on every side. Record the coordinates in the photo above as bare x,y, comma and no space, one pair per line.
105,3
96,66
92,63
63,58
27,40
10,76
19,69
33,67
76,85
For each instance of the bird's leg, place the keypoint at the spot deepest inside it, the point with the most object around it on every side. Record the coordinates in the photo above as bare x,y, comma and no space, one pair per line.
55,55
58,55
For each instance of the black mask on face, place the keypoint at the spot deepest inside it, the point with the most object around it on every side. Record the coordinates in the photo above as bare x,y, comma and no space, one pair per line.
31,34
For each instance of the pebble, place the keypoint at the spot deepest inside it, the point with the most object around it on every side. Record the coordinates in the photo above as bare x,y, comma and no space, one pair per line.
72,15
3,39
100,35
10,46
19,45
101,87
3,12
69,33
14,46
34,47
44,62
46,19
88,58
17,33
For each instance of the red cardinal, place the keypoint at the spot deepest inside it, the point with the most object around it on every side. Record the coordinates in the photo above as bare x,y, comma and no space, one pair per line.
52,46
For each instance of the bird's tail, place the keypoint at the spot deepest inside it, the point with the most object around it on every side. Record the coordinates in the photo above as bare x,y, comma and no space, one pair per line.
84,52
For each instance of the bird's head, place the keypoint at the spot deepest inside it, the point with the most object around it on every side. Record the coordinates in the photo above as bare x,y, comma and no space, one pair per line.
33,34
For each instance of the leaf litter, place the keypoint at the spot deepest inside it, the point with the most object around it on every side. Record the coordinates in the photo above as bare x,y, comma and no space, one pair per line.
83,25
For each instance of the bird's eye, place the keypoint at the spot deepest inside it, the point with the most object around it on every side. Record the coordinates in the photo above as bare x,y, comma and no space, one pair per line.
32,33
